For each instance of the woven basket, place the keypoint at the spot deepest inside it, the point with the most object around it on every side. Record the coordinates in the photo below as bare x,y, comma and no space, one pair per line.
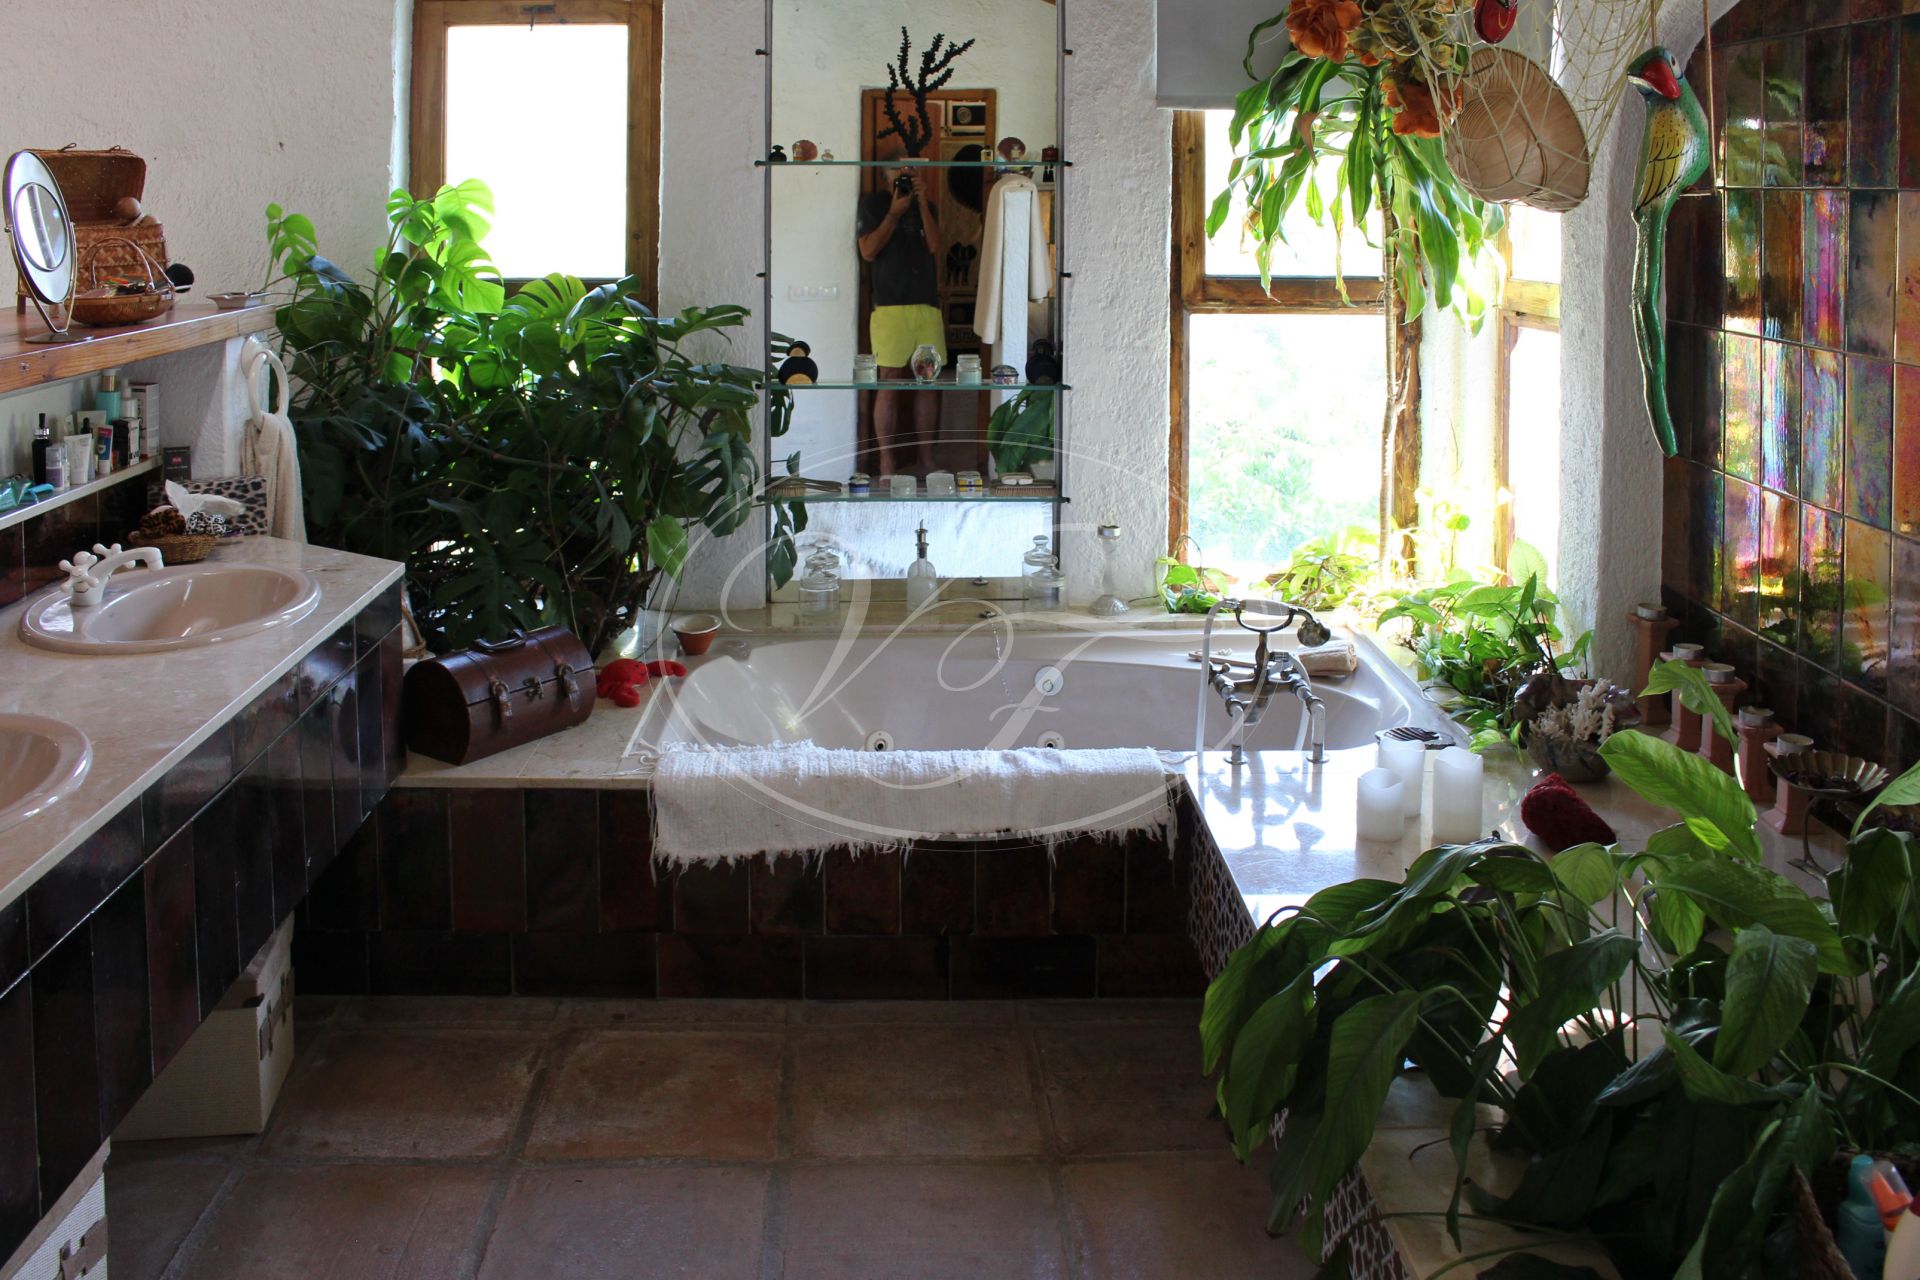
92,183
177,548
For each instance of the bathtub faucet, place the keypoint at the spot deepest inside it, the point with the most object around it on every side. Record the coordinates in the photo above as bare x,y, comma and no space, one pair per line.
1247,698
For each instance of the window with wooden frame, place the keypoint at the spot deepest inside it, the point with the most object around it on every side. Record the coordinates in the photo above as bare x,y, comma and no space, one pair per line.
1279,395
556,107
1527,387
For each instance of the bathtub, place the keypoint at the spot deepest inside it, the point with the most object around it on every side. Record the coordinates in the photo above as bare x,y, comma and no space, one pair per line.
996,688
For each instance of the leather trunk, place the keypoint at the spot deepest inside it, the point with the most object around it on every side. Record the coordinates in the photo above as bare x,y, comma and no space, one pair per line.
497,695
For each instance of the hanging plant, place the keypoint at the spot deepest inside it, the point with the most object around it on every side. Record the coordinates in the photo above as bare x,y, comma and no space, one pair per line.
1375,84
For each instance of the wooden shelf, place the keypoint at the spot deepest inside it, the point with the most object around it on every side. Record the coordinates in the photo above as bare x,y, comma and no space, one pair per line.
190,324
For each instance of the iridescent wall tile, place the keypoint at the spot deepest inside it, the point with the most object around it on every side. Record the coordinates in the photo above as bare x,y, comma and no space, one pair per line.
1740,558
1740,443
1820,585
1742,253
1709,520
1780,416
1863,723
1824,140
1676,522
1870,441
1782,17
1694,273
1779,685
1906,448
1903,657
1779,603
1868,617
1873,106
1873,257
1745,115
1824,258
1781,279
1906,301
1781,161
1823,428
1863,10
1910,97
1693,390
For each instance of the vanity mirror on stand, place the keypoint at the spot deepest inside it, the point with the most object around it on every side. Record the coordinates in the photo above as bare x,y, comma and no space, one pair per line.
913,181
43,242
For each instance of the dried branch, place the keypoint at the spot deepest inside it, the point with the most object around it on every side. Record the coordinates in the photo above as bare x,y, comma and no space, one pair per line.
935,70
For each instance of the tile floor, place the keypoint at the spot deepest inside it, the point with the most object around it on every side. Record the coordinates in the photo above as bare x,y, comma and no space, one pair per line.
508,1139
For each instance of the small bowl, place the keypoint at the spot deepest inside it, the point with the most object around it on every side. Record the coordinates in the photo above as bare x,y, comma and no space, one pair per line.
235,301
695,632
1718,672
1830,773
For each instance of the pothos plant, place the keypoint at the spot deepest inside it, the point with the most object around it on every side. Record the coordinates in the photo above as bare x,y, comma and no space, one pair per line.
544,457
1672,1035
1371,85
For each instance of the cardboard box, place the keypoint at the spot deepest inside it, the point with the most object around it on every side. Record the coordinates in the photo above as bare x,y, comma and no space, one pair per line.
227,1077
71,1240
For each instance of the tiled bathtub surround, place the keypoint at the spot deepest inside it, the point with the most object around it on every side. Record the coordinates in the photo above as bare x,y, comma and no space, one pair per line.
1792,529
479,891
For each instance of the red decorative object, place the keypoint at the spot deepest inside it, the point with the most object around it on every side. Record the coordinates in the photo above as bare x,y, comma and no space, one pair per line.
1494,19
1556,813
621,679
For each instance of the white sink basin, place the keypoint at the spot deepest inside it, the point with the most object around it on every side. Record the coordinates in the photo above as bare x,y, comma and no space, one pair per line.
150,611
41,760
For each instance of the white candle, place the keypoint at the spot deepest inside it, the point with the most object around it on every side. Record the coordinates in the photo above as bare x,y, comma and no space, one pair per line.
1380,816
1458,779
1408,760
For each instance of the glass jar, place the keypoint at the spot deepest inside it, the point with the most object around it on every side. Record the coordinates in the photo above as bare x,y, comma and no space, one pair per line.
966,370
1042,585
820,585
865,369
926,362
1111,603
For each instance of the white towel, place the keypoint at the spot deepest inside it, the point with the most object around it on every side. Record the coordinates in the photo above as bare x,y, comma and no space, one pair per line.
991,301
270,448
711,806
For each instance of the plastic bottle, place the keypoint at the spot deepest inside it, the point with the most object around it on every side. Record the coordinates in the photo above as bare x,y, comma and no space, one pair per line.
107,398
1861,1236
1903,1249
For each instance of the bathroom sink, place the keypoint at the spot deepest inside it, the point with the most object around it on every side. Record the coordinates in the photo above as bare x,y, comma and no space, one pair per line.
151,611
41,760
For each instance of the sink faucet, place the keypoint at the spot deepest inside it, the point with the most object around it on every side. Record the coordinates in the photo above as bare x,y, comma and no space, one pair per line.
87,574
1271,672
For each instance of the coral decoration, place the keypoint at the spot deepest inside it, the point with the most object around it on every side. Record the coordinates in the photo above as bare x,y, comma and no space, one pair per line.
936,68
1319,28
1555,812
620,680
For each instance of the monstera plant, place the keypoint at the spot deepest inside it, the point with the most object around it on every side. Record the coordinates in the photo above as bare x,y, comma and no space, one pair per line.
543,457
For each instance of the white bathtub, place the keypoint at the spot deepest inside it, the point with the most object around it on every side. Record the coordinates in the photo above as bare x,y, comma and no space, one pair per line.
991,689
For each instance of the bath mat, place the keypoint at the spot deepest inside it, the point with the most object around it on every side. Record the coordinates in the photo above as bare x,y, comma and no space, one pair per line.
714,806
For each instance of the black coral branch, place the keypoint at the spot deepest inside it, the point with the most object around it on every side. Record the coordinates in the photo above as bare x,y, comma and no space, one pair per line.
933,73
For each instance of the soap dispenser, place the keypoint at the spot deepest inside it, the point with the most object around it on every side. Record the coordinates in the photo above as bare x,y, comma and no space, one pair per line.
922,582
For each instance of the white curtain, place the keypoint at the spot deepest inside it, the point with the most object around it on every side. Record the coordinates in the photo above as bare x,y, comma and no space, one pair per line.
1200,47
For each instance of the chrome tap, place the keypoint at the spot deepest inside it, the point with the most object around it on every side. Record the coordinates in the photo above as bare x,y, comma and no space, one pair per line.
1269,673
87,574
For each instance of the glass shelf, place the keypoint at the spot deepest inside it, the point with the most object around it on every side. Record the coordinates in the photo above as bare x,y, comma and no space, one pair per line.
942,385
995,163
1048,494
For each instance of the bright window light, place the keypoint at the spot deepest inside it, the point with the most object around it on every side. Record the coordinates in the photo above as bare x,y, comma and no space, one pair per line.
1533,439
1309,247
540,115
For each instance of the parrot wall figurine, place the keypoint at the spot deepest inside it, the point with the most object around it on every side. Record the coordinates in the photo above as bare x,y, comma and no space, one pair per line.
1674,152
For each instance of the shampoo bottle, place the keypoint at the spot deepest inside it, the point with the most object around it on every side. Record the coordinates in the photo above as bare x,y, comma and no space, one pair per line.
922,582
107,398
1861,1237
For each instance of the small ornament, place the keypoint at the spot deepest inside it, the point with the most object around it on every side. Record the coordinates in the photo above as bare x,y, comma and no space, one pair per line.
804,150
798,369
206,524
1004,375
1043,363
778,155
826,156
164,521
1012,150
1493,19
1049,156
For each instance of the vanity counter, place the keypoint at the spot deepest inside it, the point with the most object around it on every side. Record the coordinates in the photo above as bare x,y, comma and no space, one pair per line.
147,713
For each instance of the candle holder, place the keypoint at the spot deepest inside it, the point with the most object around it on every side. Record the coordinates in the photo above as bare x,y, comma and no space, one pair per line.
1381,815
1684,732
1757,732
1651,626
1459,780
1823,775
1728,687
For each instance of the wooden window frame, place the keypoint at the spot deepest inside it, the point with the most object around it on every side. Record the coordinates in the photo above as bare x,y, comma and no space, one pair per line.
428,118
1194,292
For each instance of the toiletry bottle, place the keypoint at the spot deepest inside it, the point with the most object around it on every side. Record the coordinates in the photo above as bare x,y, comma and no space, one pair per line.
136,430
42,445
1903,1248
107,398
922,582
103,451
122,441
1862,1240
57,467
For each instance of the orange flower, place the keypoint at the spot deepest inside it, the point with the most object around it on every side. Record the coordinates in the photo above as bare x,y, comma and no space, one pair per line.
1417,114
1320,27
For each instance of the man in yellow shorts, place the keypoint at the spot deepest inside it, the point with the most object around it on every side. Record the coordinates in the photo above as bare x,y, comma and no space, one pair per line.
898,232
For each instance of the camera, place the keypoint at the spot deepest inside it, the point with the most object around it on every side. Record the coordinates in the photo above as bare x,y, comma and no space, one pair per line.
902,185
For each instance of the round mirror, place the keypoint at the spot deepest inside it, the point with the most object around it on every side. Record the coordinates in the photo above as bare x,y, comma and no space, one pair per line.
42,232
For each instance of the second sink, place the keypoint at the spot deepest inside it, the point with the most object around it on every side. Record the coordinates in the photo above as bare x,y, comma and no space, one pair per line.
154,611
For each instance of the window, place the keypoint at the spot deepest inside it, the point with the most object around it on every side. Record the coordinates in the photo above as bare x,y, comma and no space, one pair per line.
1528,433
1278,397
555,106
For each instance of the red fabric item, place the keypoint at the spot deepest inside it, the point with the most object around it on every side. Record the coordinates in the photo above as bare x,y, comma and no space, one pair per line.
620,680
1556,813
665,667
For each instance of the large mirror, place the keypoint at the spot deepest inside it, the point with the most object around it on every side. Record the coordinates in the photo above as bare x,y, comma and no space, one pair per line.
42,235
914,212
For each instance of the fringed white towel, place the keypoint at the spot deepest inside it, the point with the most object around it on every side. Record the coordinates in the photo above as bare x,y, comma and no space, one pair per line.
719,805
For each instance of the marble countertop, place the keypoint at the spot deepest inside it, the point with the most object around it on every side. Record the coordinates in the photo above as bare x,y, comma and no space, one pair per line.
145,712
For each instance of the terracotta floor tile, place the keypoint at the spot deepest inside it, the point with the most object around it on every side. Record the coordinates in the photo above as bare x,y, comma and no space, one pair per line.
624,1092
391,1091
1166,1216
1184,1013
922,1222
152,1204
342,1222
650,1012
912,1091
1115,1088
948,1013
661,1222
454,1011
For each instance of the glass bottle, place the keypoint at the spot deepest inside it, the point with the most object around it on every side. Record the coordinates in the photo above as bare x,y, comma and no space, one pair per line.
1110,604
820,585
1043,585
926,362
922,582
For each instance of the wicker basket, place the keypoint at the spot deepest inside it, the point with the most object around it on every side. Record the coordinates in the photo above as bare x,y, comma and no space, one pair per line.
93,183
100,312
177,548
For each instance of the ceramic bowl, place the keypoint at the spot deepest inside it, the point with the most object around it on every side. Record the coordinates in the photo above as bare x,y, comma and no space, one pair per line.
695,632
235,301
1830,773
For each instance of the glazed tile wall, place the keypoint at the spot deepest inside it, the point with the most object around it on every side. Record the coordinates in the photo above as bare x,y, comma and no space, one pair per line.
31,550
1792,515
553,892
111,960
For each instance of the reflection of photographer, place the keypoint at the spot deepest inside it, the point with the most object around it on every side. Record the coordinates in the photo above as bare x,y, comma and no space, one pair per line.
899,238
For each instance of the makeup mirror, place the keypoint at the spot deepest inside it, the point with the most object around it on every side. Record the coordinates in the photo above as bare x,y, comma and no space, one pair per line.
42,235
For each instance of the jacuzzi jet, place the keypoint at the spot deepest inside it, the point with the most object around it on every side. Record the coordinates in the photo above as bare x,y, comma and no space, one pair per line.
1053,740
879,740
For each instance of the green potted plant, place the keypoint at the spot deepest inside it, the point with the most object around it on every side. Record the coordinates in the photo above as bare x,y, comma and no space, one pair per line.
1675,1037
544,457
1020,431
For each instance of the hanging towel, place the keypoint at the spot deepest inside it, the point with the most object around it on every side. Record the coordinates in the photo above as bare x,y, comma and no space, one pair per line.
990,302
270,449
718,805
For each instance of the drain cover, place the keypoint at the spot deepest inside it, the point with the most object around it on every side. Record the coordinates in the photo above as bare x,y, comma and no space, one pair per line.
1054,739
1429,738
879,740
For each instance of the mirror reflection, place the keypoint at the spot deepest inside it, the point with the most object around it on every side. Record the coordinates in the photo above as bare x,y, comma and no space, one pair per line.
42,234
41,228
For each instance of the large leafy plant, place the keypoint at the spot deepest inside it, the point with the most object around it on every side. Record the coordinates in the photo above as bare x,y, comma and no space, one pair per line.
1669,1033
544,457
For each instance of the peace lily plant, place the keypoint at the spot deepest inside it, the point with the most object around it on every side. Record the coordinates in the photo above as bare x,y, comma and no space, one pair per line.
1672,1035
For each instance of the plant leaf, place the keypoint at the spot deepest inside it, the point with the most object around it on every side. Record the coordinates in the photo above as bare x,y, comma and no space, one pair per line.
1738,894
1769,982
1569,982
1712,802
1368,1044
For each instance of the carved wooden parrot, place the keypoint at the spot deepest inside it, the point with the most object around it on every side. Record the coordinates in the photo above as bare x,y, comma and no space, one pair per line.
1673,154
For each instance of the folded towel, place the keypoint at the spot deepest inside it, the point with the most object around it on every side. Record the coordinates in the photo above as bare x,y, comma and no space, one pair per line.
1334,658
711,806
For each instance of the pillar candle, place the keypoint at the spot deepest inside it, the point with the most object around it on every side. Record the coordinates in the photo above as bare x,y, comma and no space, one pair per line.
1459,776
1381,815
1408,760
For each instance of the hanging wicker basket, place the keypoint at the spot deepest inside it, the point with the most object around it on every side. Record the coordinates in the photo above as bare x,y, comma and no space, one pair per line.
1517,136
